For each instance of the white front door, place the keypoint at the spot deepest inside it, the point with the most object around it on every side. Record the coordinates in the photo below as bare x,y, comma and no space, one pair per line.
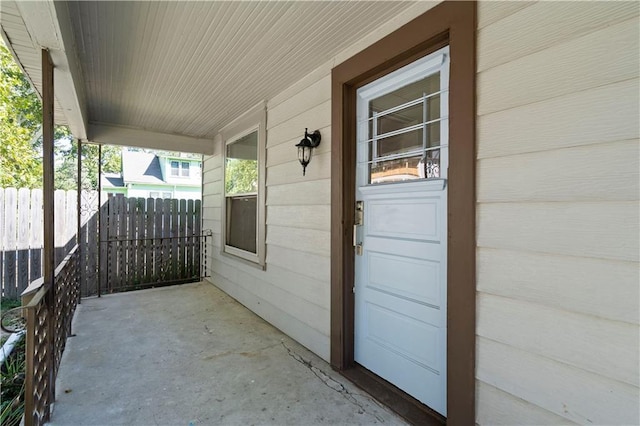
401,244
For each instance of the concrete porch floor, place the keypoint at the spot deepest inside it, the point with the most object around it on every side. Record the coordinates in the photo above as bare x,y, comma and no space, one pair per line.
191,355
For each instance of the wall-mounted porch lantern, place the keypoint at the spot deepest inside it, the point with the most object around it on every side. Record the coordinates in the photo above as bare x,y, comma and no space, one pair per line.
310,141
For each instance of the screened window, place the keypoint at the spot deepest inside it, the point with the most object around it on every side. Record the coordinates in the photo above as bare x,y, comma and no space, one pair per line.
241,193
175,168
185,169
403,127
243,204
180,168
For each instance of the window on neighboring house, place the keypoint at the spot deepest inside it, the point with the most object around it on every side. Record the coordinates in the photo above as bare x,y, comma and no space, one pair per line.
244,191
154,194
166,195
180,168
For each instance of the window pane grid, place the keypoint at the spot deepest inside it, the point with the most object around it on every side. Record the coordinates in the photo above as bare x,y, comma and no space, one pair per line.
407,154
403,130
396,108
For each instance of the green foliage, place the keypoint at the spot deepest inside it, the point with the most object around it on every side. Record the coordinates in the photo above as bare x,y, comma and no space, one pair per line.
20,120
241,176
20,127
12,390
66,176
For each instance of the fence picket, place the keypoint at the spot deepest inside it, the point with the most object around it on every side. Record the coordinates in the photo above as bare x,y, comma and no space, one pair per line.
148,243
131,249
157,239
122,246
189,239
183,233
174,241
166,242
197,243
10,207
103,269
22,242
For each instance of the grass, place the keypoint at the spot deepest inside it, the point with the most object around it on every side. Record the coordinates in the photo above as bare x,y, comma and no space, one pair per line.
7,304
12,375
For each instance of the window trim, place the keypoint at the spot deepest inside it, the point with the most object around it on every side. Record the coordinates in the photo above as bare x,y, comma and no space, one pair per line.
253,120
180,168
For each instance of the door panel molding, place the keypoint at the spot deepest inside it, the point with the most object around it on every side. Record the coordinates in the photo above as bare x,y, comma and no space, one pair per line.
452,24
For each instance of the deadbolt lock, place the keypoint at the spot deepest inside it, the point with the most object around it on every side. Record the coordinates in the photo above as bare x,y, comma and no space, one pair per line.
359,214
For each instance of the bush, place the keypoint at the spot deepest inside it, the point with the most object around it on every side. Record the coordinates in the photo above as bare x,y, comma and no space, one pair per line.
12,375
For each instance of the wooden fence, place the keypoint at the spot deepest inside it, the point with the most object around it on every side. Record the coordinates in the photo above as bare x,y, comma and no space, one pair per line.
148,242
141,242
21,235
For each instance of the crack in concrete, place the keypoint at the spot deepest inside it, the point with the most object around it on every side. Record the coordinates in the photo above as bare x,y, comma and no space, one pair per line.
333,384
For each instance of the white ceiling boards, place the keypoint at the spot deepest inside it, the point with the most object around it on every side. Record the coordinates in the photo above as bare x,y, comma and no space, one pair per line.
188,68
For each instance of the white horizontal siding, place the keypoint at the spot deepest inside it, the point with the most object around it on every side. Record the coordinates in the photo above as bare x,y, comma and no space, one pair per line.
293,292
492,11
601,57
606,230
286,151
602,114
316,192
280,318
603,288
604,172
572,393
318,168
551,27
608,348
496,407
310,217
557,214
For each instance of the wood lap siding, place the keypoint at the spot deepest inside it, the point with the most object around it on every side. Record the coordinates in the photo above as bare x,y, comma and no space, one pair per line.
558,227
292,292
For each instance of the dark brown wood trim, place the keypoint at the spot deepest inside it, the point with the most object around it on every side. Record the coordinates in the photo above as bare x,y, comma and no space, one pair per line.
48,255
452,23
403,404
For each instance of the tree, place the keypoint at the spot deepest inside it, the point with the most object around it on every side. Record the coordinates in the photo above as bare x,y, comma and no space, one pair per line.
241,176
20,121
20,127
66,176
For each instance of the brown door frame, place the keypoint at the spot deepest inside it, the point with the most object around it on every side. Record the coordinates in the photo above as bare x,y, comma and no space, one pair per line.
450,23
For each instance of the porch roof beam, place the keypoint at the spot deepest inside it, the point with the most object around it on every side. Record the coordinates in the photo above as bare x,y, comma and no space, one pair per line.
107,134
49,27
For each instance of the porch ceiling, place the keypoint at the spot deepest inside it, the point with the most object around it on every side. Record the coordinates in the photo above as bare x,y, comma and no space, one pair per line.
189,68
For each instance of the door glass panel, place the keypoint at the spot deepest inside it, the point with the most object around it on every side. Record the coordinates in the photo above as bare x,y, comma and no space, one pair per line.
398,144
398,170
406,117
410,92
404,128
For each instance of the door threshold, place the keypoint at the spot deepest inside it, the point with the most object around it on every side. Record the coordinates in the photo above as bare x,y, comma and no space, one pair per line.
403,404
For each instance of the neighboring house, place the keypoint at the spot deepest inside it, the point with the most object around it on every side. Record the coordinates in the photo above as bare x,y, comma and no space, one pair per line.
501,288
150,175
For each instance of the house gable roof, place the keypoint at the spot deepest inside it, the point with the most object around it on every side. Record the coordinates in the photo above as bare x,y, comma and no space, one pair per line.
110,180
141,167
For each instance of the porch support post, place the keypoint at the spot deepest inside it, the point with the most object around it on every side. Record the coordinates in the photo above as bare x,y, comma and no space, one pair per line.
48,201
100,218
79,216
